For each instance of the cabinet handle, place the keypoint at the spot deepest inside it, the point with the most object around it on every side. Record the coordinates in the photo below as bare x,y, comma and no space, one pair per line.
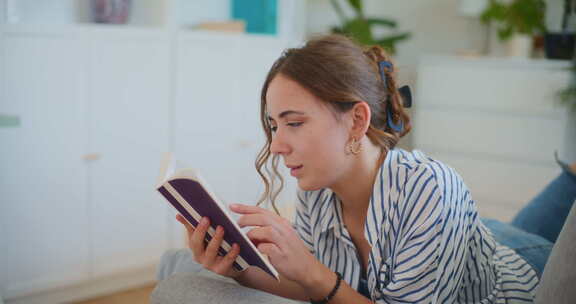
245,143
91,156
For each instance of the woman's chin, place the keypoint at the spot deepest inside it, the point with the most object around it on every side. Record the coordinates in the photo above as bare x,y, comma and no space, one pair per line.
306,186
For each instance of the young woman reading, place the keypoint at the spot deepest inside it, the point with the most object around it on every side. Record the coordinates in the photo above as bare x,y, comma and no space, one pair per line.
373,223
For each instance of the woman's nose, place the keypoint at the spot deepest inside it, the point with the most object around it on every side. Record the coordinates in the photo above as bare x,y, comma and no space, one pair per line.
278,145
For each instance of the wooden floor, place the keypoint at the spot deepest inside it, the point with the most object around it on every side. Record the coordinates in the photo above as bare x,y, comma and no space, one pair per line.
139,295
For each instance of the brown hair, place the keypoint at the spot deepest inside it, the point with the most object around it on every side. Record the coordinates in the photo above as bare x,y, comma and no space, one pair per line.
341,73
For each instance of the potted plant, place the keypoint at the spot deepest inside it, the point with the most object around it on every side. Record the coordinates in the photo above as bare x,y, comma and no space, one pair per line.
517,21
360,28
560,45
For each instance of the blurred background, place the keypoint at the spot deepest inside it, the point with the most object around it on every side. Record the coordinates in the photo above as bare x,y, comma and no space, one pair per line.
93,92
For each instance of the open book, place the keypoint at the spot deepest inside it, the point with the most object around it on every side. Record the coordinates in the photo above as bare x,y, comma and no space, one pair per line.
186,191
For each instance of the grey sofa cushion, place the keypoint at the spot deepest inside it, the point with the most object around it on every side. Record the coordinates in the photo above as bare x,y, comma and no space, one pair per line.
192,288
181,280
176,261
558,283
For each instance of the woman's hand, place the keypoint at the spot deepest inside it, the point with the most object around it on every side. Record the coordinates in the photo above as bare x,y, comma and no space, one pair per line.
207,256
275,237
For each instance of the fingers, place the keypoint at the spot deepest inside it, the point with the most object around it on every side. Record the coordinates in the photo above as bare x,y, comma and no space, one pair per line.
226,262
270,250
187,225
247,209
207,255
197,239
264,235
257,220
212,249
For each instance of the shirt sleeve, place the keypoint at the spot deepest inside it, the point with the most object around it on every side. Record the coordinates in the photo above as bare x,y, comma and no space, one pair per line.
411,272
302,221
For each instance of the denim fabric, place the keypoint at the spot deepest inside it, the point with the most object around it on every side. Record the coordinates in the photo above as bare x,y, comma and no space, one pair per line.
546,213
533,248
535,228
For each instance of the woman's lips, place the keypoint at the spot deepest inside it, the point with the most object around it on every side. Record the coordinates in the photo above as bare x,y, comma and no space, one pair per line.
295,171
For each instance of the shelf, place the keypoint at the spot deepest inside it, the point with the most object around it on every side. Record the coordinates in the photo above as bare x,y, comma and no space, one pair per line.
133,32
493,62
35,16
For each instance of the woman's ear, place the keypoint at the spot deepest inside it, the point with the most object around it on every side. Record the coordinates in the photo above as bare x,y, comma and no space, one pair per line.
361,116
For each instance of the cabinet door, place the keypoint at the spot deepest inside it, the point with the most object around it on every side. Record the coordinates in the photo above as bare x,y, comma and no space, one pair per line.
500,135
129,131
217,120
43,211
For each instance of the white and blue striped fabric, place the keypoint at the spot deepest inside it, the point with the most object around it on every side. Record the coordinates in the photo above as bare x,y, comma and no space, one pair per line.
428,243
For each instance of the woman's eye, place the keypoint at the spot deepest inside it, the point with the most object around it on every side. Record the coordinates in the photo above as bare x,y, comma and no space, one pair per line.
294,124
290,124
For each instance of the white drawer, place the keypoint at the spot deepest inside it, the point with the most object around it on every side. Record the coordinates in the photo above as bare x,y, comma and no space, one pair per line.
500,188
517,90
524,138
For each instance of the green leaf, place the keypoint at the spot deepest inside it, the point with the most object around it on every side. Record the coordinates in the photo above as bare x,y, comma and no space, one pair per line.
356,5
389,43
517,16
505,33
337,30
394,38
338,10
383,22
360,30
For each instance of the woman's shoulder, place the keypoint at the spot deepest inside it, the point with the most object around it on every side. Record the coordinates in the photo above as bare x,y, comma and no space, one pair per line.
417,166
414,161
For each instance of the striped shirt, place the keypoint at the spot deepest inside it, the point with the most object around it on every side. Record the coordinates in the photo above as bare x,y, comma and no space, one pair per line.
428,244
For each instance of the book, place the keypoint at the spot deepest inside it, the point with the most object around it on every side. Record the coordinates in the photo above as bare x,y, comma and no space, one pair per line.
191,196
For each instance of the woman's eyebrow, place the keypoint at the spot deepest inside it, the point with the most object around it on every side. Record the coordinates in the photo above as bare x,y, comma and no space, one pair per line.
285,113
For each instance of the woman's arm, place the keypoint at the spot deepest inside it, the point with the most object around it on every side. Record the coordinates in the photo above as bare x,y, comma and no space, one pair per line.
318,286
256,278
303,277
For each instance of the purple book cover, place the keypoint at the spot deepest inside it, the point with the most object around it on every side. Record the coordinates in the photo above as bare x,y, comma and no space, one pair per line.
195,195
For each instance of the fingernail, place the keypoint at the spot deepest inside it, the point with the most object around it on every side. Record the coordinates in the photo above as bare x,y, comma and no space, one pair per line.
204,221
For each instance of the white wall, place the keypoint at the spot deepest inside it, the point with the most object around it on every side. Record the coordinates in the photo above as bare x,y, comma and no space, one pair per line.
437,26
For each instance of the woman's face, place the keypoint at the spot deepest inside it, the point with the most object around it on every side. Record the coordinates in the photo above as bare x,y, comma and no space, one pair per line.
306,134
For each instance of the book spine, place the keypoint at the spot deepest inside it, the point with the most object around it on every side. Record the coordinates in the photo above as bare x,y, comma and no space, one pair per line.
193,217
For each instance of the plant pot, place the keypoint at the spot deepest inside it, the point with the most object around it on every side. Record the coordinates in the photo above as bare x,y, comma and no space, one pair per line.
559,45
110,11
519,46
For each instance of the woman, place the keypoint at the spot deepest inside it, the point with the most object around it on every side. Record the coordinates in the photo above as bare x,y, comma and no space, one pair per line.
373,223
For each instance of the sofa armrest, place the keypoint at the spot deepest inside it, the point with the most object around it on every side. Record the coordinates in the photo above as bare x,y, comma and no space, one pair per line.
557,283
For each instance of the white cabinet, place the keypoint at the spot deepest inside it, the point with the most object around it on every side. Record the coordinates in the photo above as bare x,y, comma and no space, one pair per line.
217,127
98,107
77,178
43,189
128,118
496,121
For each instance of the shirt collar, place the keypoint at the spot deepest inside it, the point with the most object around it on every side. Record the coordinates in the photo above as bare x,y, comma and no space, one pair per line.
332,214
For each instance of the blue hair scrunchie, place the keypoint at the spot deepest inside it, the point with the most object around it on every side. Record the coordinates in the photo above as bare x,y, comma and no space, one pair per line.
404,91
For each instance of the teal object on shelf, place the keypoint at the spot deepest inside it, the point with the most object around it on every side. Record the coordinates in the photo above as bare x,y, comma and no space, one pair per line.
260,15
9,121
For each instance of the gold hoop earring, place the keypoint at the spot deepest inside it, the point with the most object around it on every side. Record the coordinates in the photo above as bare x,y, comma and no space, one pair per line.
351,149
